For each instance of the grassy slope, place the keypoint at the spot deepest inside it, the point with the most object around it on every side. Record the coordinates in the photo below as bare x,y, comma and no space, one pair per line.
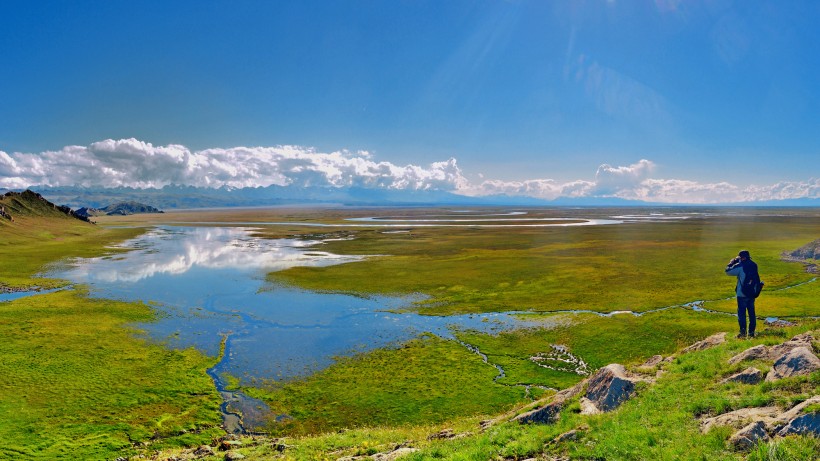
77,383
659,423
604,268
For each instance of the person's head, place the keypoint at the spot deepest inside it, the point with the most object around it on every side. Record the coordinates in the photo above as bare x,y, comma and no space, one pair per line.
744,255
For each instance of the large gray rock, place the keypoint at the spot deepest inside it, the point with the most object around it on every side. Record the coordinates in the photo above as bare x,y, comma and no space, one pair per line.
609,387
395,454
747,437
548,413
801,340
748,376
759,352
799,361
808,423
711,341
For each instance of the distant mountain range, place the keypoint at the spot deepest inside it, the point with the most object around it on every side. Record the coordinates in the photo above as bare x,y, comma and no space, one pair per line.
176,197
120,208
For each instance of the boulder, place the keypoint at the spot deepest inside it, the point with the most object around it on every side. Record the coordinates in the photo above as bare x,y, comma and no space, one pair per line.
609,387
443,434
739,418
234,456
711,341
801,340
748,437
799,361
748,376
796,411
759,352
549,412
808,423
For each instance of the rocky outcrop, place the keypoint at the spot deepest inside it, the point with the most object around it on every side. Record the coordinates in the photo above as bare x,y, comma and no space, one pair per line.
748,437
742,417
748,376
802,340
610,386
28,203
808,251
799,361
653,361
711,341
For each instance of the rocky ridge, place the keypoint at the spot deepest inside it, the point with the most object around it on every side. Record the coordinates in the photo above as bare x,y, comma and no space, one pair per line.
14,205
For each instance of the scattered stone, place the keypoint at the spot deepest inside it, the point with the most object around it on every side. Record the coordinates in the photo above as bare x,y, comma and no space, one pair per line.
799,361
443,434
609,387
753,353
653,361
394,454
548,413
204,450
747,437
748,376
711,341
587,407
739,418
233,456
280,447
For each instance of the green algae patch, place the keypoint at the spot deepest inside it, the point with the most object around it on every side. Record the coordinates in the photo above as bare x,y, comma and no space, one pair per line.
427,380
78,384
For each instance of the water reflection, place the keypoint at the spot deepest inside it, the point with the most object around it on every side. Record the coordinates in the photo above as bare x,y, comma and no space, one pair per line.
209,282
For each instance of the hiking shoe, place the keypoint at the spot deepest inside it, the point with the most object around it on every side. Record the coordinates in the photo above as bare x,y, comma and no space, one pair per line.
751,335
740,335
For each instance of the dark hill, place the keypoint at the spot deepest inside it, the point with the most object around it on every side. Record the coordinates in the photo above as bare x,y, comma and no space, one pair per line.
31,204
120,208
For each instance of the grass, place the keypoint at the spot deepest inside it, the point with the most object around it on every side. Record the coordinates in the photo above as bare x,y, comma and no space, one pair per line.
427,380
635,267
77,382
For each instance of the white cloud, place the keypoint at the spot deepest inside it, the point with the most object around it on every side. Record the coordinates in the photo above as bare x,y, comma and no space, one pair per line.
134,163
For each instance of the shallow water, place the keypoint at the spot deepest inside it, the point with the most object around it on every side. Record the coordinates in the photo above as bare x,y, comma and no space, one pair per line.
209,282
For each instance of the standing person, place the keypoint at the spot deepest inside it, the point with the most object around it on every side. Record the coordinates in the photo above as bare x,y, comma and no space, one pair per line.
745,270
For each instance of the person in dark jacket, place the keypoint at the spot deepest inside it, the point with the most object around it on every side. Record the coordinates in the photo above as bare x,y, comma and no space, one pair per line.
742,267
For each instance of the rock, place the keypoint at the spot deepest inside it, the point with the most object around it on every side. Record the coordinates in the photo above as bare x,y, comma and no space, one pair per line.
569,435
549,412
233,456
747,437
588,408
739,418
204,450
609,387
801,340
753,353
797,410
653,361
748,376
808,423
394,454
226,445
711,341
800,361
443,434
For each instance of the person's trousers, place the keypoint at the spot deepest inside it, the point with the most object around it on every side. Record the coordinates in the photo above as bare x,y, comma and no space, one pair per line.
746,305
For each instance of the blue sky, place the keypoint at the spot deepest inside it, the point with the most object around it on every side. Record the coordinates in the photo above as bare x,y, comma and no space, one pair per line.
708,92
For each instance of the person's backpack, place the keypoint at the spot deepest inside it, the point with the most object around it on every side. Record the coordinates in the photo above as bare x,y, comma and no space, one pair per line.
752,285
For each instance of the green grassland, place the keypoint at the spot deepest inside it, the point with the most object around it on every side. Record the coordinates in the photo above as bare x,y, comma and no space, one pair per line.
638,267
77,383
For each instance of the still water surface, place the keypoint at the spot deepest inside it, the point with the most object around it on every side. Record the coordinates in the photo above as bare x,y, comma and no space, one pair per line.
207,282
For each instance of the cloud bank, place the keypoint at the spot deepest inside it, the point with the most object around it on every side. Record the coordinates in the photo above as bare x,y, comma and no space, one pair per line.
134,163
